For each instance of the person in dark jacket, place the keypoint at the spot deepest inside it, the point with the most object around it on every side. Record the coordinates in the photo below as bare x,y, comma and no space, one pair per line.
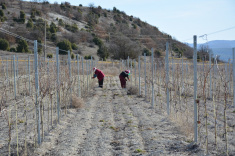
100,76
123,78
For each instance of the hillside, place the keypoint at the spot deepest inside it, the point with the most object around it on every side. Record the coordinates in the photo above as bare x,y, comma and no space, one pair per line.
111,33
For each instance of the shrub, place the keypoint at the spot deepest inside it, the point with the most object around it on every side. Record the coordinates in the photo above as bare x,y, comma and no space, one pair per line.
72,55
157,53
1,13
53,28
102,52
23,46
132,90
64,45
74,46
61,23
92,20
35,12
117,18
74,28
77,102
4,6
38,13
29,24
4,44
39,50
49,55
32,16
114,9
98,41
45,2
22,17
87,57
53,37
67,4
79,10
48,35
138,22
12,49
134,26
68,27
148,52
3,19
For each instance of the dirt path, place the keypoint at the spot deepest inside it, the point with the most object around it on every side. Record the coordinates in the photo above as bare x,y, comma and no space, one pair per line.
114,123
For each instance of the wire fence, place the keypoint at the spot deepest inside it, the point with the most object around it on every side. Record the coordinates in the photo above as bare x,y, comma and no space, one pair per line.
37,93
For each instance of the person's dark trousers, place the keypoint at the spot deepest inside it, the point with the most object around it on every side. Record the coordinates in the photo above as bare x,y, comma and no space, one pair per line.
122,81
101,83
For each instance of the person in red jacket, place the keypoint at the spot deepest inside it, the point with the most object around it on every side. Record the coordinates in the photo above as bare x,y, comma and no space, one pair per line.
100,76
123,78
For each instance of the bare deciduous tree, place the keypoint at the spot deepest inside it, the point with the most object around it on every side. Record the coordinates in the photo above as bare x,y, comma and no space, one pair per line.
203,52
122,47
56,7
77,15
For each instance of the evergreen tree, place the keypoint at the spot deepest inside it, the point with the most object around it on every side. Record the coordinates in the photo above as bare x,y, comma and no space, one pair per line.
23,46
64,47
22,17
4,44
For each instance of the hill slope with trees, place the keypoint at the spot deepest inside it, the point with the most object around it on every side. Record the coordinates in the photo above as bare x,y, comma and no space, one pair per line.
86,30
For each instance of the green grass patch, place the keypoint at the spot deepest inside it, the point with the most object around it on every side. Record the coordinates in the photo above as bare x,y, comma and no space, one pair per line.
20,121
189,141
129,121
158,94
139,151
114,128
133,126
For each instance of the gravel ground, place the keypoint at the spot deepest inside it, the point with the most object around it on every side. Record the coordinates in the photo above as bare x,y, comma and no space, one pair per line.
114,123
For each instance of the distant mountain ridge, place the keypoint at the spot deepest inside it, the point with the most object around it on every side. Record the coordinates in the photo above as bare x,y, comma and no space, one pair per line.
222,48
217,44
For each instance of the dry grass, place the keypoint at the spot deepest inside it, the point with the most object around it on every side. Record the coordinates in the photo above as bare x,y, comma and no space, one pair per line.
187,92
132,90
184,123
111,71
77,102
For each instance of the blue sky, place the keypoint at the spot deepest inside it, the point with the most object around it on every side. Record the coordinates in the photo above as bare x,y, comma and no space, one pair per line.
180,18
